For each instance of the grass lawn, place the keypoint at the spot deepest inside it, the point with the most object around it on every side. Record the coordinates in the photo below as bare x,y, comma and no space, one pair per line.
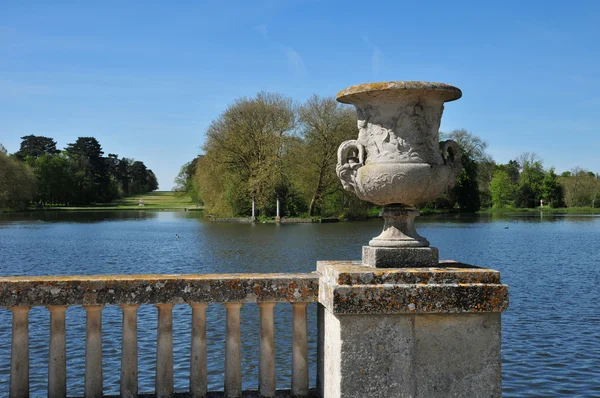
158,200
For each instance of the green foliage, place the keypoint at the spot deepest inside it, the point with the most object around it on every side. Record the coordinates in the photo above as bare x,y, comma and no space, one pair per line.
35,146
353,208
502,189
513,171
265,148
581,188
81,175
246,144
325,124
466,191
531,182
478,169
184,182
55,176
552,190
17,183
469,143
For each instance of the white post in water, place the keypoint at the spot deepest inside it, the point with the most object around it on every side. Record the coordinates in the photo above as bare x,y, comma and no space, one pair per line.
402,323
253,208
277,218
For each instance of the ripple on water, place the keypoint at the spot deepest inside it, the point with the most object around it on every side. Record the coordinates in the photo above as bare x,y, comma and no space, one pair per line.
551,332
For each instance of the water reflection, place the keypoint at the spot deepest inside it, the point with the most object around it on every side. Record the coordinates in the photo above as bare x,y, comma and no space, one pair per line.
76,216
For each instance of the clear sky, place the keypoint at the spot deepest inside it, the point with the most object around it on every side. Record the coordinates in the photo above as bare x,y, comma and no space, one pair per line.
146,78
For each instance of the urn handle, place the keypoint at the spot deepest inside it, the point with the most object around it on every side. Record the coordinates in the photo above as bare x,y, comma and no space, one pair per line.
451,153
351,156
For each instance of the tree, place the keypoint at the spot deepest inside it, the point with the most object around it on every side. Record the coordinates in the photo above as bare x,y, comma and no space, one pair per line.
596,189
580,188
531,181
185,181
152,182
325,125
17,183
513,169
123,173
215,185
54,177
246,144
88,147
112,168
35,146
139,178
3,149
81,174
502,188
90,179
466,191
527,158
469,143
93,179
552,190
475,147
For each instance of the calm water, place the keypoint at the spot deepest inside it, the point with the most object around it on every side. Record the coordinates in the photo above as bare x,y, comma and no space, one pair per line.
551,332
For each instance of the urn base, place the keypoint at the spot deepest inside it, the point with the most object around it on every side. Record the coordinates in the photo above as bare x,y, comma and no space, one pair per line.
399,228
400,257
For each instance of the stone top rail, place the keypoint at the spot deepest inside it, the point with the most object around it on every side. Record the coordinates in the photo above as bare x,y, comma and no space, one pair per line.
448,272
348,288
158,289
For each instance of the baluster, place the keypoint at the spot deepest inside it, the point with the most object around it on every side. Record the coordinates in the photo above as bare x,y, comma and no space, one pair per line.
198,379
19,354
320,348
233,353
93,351
57,358
164,351
266,369
299,350
129,351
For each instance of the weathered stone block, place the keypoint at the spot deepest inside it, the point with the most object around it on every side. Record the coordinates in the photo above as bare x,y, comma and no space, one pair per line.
400,257
349,288
450,355
410,332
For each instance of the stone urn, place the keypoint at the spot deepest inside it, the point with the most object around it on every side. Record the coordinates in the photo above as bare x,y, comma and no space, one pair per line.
398,162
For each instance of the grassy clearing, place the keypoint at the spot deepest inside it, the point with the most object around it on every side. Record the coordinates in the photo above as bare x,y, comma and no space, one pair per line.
158,200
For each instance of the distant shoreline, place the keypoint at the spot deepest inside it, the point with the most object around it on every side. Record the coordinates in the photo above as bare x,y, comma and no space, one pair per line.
172,201
116,208
545,210
150,201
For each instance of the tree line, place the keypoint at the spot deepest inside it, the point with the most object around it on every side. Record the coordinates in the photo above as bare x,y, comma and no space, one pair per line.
267,147
77,175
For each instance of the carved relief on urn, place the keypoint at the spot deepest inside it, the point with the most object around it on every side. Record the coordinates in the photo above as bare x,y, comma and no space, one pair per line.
397,160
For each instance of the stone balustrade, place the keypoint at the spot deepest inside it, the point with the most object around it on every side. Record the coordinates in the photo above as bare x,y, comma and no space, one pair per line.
57,293
382,332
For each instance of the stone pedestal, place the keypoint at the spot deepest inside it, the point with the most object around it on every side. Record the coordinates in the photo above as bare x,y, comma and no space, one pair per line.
400,257
410,332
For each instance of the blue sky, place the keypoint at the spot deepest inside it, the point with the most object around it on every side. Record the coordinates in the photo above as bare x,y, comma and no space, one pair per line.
146,78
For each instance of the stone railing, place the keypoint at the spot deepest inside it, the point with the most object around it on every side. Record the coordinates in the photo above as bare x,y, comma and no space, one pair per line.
382,332
19,294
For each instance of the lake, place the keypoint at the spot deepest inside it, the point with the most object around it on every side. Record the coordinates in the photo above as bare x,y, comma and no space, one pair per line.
550,333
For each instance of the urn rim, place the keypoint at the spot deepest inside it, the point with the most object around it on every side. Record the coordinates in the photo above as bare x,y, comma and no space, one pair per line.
398,89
